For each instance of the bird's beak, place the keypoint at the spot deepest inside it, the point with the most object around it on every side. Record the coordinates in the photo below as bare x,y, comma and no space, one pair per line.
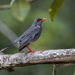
43,19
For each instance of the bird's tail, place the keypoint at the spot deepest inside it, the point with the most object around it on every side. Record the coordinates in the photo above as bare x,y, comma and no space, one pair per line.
7,47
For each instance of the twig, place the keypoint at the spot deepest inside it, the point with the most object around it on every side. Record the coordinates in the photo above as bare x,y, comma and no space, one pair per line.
54,70
4,6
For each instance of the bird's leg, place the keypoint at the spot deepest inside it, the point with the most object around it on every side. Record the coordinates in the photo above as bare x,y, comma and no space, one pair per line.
30,49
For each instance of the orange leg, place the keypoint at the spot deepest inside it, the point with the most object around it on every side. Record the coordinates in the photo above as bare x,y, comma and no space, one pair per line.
30,50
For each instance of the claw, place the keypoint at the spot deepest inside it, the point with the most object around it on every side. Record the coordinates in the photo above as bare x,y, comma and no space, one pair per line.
33,52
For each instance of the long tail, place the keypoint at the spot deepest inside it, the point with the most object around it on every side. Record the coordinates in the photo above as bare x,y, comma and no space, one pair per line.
7,46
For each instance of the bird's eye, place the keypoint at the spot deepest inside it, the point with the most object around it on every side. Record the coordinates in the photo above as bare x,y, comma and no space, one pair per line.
38,19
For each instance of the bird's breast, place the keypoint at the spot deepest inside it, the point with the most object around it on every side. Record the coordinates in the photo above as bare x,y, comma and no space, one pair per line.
36,36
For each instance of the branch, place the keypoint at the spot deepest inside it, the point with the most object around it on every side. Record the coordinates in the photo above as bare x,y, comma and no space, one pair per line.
4,6
61,56
8,6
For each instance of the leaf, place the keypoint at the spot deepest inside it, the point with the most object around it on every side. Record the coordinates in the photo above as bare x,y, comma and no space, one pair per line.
20,9
54,8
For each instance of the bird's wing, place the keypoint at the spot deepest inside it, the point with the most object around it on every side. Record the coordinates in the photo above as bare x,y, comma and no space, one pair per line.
28,37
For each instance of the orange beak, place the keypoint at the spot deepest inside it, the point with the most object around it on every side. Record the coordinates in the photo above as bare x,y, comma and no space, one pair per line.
43,19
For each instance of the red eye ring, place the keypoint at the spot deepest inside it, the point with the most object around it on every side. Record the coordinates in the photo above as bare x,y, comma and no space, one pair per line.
38,19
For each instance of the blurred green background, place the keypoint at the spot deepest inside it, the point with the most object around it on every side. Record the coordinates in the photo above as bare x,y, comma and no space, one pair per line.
59,34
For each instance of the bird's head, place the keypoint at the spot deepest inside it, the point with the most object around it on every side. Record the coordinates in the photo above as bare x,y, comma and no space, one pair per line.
38,21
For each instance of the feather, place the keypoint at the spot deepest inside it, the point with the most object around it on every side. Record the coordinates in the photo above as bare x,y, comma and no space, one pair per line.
28,38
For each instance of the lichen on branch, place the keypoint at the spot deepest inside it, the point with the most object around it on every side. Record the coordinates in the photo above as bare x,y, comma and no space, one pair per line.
60,56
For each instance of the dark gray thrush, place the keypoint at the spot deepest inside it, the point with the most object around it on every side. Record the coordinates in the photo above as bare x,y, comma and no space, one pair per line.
29,36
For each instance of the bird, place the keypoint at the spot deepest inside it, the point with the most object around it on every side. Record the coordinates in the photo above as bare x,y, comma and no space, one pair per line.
29,36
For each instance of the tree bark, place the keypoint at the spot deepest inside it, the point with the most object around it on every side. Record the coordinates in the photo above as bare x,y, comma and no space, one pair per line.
59,57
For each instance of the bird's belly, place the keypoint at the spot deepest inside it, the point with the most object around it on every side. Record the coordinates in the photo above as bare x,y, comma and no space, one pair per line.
36,37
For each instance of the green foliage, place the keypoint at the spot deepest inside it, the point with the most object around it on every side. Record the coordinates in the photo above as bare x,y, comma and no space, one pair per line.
20,9
54,8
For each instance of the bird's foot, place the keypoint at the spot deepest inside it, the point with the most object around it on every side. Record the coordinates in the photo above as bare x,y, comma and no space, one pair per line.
31,52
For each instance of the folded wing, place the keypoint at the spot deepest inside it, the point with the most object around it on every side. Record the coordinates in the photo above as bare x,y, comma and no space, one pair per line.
28,37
